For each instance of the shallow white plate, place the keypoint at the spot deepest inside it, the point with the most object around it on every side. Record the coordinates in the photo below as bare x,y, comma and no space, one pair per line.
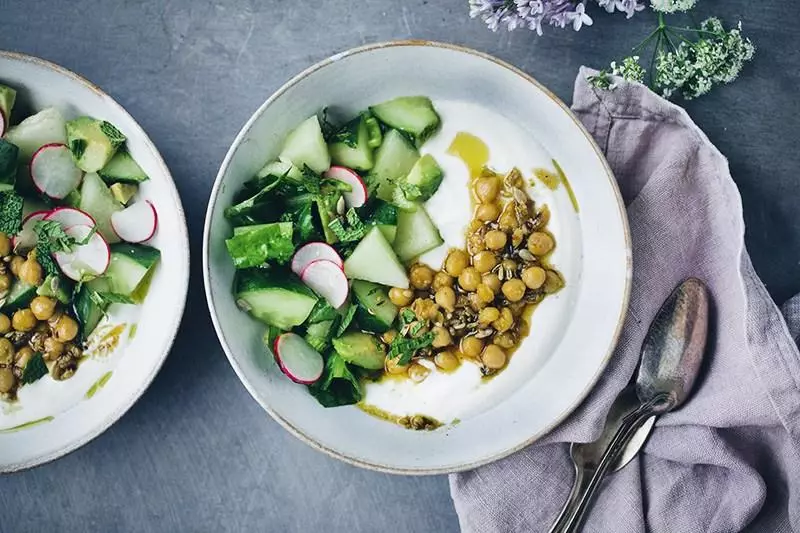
573,333
54,418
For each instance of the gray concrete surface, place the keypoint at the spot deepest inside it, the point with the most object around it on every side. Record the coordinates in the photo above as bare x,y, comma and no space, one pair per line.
196,453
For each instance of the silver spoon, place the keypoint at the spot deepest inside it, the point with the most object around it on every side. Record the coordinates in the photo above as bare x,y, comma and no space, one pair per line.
671,357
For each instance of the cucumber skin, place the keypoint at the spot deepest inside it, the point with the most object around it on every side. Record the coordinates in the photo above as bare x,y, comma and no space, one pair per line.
145,255
117,171
22,297
360,349
350,146
388,112
88,313
254,281
366,317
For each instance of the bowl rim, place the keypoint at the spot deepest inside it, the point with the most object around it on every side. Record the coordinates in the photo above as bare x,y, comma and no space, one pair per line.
286,424
113,417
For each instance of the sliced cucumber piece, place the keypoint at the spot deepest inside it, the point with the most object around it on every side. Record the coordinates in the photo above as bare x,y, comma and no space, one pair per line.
98,200
423,180
389,232
416,234
375,311
350,146
122,168
57,287
305,146
274,298
89,309
93,142
19,296
45,127
393,161
7,98
130,271
361,349
123,192
413,115
374,260
280,168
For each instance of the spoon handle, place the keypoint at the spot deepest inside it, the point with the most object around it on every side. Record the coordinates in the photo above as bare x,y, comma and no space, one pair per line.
630,424
578,487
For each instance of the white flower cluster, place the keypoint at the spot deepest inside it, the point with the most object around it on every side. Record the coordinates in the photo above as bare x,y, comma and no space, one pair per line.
672,6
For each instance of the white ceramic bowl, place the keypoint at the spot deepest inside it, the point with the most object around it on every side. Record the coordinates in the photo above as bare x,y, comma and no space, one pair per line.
574,332
68,417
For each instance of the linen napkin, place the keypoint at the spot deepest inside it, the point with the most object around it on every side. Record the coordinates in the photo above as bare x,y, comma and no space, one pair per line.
729,459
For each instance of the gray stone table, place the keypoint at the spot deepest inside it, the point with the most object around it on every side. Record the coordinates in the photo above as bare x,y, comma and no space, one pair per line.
196,453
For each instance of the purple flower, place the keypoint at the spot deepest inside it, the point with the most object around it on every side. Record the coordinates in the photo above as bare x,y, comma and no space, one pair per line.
533,14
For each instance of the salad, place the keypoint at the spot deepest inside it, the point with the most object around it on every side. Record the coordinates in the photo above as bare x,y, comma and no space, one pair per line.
72,228
327,239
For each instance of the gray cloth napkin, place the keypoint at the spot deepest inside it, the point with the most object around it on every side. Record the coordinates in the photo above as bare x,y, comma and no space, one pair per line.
729,460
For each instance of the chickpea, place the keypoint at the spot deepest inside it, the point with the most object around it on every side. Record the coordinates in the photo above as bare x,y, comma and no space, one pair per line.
23,356
6,351
5,245
540,243
446,298
475,302
31,272
534,277
493,357
417,372
440,280
53,348
6,380
421,276
505,322
392,366
505,340
442,337
425,309
486,189
508,218
43,307
446,360
471,346
66,329
23,320
495,239
16,263
456,262
401,297
514,290
5,282
485,294
484,261
488,315
387,337
487,212
469,279
5,323
492,281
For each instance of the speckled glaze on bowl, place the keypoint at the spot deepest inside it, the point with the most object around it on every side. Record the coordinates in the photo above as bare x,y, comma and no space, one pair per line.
104,388
596,261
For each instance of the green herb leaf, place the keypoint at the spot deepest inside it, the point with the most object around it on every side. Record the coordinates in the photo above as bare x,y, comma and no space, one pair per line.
253,246
10,212
347,319
114,135
353,231
9,160
338,384
406,347
34,370
321,312
77,147
114,298
407,316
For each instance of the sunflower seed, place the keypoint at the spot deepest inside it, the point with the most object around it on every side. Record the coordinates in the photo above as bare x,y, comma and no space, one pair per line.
482,334
340,206
526,255
520,196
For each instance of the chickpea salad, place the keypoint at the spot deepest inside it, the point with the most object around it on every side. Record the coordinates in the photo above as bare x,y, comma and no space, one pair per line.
72,234
327,239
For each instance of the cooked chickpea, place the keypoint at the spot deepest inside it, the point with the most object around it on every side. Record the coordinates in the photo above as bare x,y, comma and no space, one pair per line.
442,279
417,372
487,212
534,277
495,239
456,262
5,323
53,348
475,302
504,340
401,297
492,281
442,337
5,282
446,360
16,263
484,261
505,322
31,272
6,351
43,307
5,245
389,336
421,276
487,189
510,264
488,315
514,290
24,355
446,298
471,346
425,309
66,328
493,357
540,243
469,279
6,380
392,366
485,294
23,320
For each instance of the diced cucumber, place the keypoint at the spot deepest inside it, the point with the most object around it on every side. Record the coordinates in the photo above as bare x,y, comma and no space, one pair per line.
361,349
89,309
19,295
374,260
389,232
375,311
416,234
274,298
280,168
9,159
326,206
122,168
130,270
73,199
350,146
45,127
123,192
414,115
424,179
7,98
393,161
305,146
55,286
93,142
318,335
98,200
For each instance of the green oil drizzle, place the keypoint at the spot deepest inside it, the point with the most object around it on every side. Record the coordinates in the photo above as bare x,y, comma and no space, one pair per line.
27,425
132,333
567,186
98,384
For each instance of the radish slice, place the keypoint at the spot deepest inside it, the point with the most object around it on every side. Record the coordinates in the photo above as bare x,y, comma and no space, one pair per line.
53,171
136,223
3,123
297,359
311,252
327,279
358,194
69,216
84,261
26,238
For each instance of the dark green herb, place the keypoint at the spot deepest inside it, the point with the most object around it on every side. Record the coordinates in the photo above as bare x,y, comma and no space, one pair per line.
407,316
353,230
9,160
10,212
35,369
404,348
347,318
321,312
338,384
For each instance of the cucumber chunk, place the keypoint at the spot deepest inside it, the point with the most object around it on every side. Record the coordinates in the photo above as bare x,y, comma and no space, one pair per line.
375,312
374,260
361,349
7,98
122,168
350,146
55,286
19,296
45,127
413,115
305,146
279,169
416,234
98,200
393,161
93,142
423,180
130,271
89,309
389,232
123,192
274,298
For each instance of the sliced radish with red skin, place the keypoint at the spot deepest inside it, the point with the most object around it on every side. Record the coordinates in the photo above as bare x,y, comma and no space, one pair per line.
3,123
26,238
54,172
136,223
313,251
69,216
327,279
297,359
84,261
358,193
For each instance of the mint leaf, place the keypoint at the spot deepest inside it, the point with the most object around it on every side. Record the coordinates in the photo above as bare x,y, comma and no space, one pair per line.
338,384
253,246
347,319
10,212
404,348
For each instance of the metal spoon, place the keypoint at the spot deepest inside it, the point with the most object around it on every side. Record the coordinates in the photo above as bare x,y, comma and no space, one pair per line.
671,357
